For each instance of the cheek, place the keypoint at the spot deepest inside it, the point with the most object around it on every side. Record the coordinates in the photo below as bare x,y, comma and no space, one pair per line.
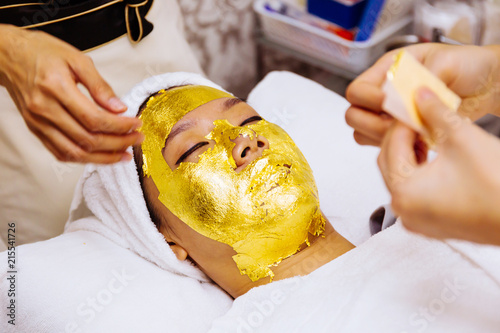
201,248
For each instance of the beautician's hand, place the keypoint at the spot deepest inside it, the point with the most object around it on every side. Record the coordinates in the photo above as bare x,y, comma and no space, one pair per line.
457,195
41,74
470,71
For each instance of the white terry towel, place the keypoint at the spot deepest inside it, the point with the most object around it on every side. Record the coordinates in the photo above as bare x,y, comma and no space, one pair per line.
111,271
82,282
395,282
112,193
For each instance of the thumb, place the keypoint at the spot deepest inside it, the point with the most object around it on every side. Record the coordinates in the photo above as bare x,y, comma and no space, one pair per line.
439,120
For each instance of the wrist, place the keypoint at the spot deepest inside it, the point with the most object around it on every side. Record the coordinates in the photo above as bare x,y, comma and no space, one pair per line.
12,39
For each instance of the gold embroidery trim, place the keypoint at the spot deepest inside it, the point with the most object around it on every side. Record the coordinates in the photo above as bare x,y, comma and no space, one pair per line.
127,6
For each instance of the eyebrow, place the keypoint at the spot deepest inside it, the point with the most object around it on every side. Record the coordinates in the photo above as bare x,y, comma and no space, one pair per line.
178,130
229,103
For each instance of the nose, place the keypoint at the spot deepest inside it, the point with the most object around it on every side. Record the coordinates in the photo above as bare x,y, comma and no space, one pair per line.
246,150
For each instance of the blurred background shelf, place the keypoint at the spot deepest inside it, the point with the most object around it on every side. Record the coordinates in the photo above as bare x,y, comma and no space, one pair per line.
332,68
308,40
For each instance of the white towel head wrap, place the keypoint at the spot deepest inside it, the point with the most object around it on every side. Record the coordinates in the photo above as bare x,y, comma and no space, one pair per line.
109,200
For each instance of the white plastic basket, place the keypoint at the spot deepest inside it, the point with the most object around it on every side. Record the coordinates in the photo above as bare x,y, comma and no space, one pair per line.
326,46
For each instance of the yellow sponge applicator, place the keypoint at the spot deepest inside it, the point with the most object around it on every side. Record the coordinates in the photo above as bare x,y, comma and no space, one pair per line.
404,77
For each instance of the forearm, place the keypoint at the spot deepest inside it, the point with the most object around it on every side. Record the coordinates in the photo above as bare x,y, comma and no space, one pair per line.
486,227
495,76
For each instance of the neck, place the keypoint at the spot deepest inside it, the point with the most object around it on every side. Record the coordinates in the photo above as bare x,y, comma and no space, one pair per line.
323,249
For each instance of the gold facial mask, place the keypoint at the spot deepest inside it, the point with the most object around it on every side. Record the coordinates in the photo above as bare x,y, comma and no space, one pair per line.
265,212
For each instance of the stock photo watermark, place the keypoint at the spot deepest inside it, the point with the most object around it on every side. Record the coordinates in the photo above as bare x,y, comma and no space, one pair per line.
264,309
47,11
90,308
423,318
11,274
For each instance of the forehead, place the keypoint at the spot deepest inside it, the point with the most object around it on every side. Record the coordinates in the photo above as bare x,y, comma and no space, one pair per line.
219,108
166,108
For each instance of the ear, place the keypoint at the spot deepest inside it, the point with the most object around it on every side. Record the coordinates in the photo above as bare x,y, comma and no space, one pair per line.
179,251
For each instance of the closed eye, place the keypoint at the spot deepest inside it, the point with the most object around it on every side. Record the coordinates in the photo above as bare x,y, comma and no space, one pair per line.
201,144
190,151
251,120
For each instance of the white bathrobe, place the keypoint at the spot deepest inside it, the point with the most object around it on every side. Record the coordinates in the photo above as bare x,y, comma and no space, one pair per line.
395,282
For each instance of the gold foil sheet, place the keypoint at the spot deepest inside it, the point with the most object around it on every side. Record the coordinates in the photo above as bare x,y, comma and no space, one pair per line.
264,212
391,73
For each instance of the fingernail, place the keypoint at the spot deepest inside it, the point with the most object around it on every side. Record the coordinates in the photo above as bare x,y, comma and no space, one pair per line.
424,93
126,158
116,104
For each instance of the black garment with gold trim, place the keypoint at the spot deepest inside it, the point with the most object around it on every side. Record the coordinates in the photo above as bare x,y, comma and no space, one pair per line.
85,24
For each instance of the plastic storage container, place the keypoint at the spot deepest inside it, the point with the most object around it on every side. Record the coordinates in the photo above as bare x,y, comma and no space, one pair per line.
343,13
326,46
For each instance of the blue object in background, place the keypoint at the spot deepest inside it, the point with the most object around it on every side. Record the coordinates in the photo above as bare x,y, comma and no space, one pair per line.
346,16
369,19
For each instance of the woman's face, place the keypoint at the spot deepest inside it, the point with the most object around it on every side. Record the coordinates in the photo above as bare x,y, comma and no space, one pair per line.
240,181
